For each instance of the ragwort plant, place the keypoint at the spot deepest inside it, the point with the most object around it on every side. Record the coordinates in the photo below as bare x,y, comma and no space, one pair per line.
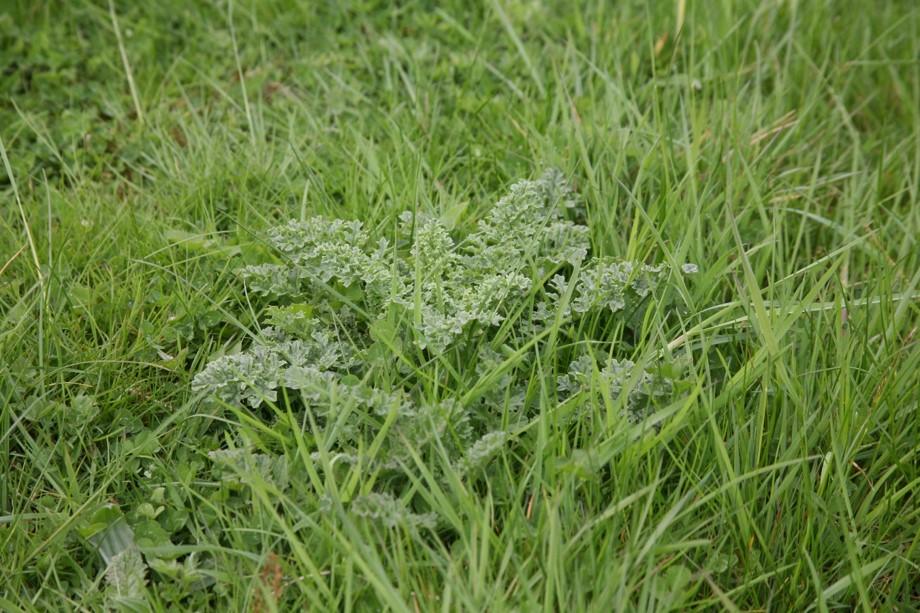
343,305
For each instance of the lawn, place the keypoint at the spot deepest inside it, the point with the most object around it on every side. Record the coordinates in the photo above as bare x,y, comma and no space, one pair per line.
354,306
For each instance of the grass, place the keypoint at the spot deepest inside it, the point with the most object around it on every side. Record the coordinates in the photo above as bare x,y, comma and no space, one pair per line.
147,148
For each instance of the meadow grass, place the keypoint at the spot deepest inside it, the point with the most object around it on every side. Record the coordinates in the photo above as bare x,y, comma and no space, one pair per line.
148,147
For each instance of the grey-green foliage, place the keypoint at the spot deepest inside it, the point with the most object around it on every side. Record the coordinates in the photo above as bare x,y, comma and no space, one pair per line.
345,298
278,359
642,387
237,465
390,512
126,576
